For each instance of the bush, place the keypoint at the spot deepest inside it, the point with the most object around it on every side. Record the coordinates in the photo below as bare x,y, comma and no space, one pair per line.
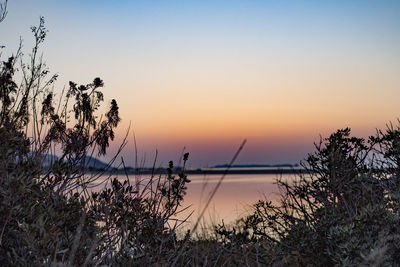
343,211
48,213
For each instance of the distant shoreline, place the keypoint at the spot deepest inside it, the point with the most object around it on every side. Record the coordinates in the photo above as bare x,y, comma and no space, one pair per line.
207,171
248,171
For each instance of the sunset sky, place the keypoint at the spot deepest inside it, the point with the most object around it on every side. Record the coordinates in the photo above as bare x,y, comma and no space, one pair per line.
207,74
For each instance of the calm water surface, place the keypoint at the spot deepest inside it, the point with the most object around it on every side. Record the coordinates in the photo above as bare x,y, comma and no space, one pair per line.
234,197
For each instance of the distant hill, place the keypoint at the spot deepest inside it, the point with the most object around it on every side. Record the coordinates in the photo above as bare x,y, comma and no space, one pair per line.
90,162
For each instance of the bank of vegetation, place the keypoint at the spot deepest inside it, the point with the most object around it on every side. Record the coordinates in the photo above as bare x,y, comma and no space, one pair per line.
343,211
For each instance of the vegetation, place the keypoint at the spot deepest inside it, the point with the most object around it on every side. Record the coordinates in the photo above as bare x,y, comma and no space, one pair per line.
50,214
343,211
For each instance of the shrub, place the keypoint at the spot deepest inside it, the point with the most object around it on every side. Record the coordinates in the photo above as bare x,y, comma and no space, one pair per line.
48,213
343,211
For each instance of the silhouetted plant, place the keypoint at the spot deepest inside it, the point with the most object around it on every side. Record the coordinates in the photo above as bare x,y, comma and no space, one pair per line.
48,212
343,211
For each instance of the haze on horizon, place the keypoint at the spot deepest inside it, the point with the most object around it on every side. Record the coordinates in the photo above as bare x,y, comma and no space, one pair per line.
206,74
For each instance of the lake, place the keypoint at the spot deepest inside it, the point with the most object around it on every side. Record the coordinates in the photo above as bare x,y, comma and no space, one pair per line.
234,197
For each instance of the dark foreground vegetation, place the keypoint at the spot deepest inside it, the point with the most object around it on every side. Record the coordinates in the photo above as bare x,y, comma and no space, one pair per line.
343,211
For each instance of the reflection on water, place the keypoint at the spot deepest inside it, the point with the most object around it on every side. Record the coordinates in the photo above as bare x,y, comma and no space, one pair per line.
234,197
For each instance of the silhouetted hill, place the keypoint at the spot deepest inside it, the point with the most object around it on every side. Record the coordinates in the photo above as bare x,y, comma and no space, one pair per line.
90,162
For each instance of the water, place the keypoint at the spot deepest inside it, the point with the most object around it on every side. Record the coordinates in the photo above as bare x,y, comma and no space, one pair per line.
234,197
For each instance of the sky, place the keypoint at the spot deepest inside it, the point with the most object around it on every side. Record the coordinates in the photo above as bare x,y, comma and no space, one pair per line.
204,75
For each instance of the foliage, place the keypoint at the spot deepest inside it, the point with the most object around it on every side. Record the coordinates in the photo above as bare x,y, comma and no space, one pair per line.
50,214
344,211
